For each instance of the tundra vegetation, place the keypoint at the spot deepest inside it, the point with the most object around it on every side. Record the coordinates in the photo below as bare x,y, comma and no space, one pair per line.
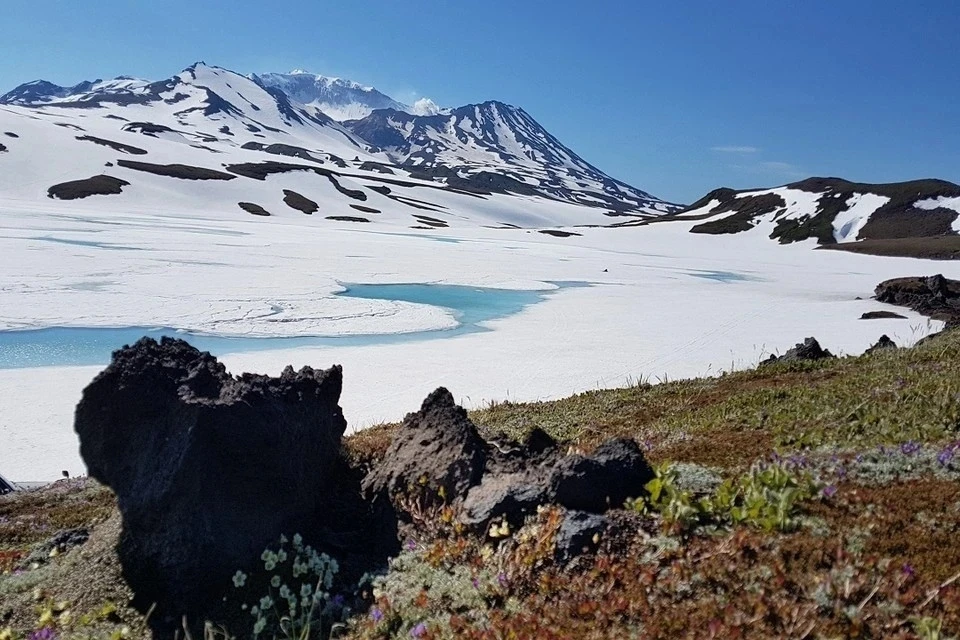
802,499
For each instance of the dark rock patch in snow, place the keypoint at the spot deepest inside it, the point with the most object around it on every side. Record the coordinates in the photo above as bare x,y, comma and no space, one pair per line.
181,171
283,150
116,146
348,218
260,170
376,167
10,134
881,315
431,222
360,207
147,128
101,185
296,201
557,233
253,209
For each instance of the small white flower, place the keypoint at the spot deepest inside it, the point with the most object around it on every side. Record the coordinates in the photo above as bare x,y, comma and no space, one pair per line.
275,581
285,592
281,556
265,603
239,579
297,540
283,539
306,590
270,565
260,625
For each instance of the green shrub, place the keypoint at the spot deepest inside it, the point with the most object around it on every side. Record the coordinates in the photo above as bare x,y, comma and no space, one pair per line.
768,496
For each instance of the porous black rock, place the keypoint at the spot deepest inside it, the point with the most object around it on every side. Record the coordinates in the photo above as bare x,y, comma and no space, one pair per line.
579,532
509,497
617,470
437,452
209,469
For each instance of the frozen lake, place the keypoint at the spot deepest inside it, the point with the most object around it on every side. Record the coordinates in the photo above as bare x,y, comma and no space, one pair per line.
489,313
79,346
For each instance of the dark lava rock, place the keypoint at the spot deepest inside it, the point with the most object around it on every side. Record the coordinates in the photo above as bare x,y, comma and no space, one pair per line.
883,343
437,449
933,296
209,469
617,470
809,349
578,532
61,543
882,315
510,497
6,486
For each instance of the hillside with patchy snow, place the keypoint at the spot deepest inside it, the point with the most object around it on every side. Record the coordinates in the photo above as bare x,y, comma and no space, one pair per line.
832,211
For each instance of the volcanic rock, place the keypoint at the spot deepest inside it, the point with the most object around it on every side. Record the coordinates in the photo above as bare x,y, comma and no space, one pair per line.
209,469
809,349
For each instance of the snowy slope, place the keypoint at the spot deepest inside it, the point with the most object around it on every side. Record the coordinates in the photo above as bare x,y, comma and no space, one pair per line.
203,139
832,211
502,146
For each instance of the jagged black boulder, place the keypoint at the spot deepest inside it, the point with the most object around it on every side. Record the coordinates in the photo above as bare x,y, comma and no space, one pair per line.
508,496
617,470
437,454
809,349
209,469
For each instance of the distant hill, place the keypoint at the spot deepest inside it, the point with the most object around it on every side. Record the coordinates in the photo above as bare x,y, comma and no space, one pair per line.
920,216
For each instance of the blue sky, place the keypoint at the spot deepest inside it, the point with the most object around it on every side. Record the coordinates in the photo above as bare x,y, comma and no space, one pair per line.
673,97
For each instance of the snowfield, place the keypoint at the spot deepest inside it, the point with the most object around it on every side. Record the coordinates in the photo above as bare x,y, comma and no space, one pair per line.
670,304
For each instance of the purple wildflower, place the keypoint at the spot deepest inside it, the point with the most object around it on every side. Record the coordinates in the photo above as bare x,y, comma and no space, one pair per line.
476,583
47,633
418,631
502,579
829,491
411,545
338,600
909,448
376,614
908,571
945,456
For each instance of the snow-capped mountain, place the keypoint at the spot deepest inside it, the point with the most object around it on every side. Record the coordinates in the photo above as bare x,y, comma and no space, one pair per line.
211,140
208,125
832,211
500,146
340,99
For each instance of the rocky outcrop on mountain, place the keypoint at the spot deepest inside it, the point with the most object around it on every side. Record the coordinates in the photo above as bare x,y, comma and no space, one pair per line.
933,296
209,469
808,350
